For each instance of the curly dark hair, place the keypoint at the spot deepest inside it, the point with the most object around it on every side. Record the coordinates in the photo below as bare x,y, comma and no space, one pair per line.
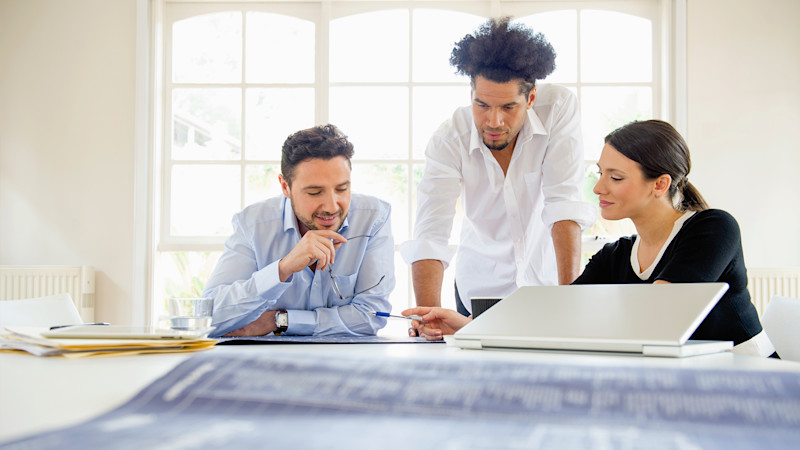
324,142
501,51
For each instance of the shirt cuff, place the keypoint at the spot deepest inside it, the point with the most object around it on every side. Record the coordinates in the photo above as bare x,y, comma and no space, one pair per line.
301,322
582,213
268,282
419,249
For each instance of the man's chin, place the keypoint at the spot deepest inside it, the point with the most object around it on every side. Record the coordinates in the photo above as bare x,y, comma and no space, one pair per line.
496,146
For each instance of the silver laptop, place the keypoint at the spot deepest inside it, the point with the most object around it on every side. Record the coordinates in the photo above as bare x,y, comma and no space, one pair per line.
646,319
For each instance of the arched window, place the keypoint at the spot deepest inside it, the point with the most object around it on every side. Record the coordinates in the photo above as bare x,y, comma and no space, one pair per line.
233,80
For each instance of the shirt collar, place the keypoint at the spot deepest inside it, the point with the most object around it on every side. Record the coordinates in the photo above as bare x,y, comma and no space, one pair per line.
532,125
290,220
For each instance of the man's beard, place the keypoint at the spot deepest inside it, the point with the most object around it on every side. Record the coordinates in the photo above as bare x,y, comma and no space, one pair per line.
498,146
310,223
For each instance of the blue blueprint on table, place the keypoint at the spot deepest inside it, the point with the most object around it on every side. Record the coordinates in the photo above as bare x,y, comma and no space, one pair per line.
333,339
299,401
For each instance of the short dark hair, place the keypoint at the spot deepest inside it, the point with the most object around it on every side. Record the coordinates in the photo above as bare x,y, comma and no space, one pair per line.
500,51
659,149
324,142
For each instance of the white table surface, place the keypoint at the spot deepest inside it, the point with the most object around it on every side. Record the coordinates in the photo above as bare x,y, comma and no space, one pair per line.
39,394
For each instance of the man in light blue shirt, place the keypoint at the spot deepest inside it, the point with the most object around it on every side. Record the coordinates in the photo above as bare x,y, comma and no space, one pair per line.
315,261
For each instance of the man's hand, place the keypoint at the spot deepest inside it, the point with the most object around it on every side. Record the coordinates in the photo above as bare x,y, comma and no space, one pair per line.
316,246
265,324
438,322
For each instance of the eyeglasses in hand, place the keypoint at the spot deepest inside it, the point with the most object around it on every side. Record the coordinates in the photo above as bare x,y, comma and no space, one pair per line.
336,286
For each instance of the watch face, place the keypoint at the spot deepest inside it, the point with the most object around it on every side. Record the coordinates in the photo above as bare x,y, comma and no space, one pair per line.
282,319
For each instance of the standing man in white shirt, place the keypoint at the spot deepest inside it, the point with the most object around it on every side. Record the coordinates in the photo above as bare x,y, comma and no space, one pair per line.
515,158
317,260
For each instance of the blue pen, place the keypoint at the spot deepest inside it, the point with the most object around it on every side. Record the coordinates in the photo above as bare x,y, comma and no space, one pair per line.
411,317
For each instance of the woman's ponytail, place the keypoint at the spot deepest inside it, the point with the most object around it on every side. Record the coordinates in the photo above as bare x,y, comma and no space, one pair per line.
691,200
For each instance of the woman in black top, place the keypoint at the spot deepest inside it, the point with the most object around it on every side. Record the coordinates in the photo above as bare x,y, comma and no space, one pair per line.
644,169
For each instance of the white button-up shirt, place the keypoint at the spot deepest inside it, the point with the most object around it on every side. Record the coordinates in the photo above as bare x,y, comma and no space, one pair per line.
506,236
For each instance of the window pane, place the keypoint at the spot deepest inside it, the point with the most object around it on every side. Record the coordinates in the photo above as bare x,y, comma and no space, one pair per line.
272,115
204,198
180,274
370,47
207,49
605,109
432,106
388,182
615,47
561,30
374,118
434,33
416,178
280,49
261,182
400,298
207,124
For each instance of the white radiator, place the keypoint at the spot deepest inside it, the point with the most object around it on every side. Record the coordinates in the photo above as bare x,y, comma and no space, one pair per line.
19,282
763,284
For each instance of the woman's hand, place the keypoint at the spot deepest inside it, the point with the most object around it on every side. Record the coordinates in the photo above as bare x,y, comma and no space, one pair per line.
438,322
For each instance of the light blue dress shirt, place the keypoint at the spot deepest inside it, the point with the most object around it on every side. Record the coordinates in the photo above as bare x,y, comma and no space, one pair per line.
245,282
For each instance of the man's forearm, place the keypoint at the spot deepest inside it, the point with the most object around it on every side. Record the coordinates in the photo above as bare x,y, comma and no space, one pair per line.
567,241
264,325
427,275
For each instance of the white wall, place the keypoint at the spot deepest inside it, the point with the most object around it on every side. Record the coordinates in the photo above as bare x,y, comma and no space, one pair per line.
67,81
744,119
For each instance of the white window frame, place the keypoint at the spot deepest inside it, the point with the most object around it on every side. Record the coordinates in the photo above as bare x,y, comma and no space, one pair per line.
669,102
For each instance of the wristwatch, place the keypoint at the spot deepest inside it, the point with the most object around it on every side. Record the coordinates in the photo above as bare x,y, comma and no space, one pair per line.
281,321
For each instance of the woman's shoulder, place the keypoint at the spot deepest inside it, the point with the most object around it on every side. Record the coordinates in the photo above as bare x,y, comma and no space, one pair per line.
623,245
718,214
609,263
713,217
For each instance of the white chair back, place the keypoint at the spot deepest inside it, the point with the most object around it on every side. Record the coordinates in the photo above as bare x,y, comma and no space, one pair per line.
781,321
39,312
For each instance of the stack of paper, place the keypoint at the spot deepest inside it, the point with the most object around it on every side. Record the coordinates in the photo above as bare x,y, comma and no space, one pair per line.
30,340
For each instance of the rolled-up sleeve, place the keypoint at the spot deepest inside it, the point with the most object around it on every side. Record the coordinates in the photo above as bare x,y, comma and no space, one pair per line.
436,205
563,168
241,291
